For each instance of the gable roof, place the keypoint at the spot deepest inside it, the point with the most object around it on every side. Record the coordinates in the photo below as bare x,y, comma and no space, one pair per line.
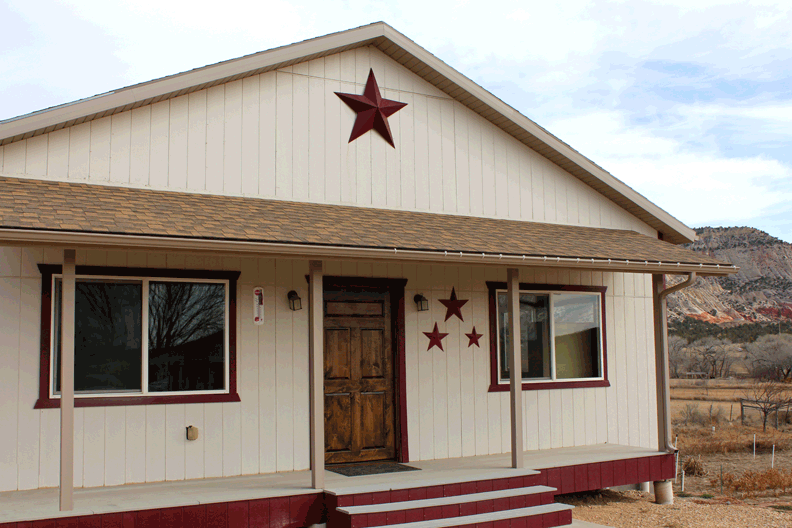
397,47
31,209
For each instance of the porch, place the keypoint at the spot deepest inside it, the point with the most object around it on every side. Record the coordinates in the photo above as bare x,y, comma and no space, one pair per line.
287,499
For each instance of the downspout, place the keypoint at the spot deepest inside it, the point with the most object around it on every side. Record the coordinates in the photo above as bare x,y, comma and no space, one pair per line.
665,442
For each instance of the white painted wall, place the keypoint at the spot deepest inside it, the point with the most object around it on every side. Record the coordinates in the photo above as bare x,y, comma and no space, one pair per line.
450,412
285,135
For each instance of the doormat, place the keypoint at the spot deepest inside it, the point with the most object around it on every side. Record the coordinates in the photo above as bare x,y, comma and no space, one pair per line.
370,468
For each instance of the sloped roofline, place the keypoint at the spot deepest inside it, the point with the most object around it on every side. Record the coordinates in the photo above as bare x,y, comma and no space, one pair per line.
399,48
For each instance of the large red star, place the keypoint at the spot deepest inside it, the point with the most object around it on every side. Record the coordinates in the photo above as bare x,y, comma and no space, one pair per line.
435,338
453,306
474,338
372,110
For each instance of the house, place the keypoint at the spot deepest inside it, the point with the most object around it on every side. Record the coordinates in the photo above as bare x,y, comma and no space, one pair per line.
315,255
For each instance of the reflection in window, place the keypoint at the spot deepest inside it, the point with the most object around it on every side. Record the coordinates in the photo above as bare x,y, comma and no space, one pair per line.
186,336
534,334
107,335
576,320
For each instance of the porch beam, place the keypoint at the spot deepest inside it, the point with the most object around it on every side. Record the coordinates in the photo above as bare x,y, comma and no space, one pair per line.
66,485
316,372
515,367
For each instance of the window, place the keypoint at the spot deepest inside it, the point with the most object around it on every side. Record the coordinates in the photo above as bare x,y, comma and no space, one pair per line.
142,336
562,334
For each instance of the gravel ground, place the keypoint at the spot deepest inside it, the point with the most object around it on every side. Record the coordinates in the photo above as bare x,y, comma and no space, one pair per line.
632,509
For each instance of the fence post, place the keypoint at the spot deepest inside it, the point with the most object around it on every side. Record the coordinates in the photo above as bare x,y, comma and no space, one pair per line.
742,413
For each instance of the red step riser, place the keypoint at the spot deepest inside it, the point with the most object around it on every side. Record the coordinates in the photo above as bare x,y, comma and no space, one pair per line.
365,520
548,520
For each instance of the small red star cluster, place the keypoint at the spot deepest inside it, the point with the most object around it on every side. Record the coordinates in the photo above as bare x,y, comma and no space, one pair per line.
453,308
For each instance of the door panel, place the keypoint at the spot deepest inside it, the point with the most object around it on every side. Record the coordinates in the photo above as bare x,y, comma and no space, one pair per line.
359,377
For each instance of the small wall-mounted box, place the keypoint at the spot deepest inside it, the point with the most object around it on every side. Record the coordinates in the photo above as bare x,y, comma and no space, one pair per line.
192,433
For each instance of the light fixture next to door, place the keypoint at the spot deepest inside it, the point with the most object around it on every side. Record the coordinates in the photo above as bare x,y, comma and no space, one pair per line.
295,303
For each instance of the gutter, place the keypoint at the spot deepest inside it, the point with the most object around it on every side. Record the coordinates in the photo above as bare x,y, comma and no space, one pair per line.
147,242
665,443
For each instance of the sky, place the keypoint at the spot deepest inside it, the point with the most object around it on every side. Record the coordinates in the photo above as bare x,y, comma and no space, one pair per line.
688,102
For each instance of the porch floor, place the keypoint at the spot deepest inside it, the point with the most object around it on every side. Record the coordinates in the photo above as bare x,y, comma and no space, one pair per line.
38,504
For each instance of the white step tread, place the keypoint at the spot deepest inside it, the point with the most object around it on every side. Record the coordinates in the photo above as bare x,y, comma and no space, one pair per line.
484,517
424,483
444,501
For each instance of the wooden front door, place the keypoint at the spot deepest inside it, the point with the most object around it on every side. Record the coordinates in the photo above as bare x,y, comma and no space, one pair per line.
358,377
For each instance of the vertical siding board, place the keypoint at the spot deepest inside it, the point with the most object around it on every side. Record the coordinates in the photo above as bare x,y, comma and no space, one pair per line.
196,140
449,156
267,134
406,154
49,468
435,142
501,180
532,425
57,154
439,365
15,158
490,207
232,153
232,442
537,188
213,440
453,346
155,443
557,419
177,142
194,450
568,417
622,372
100,150
333,140
115,446
267,387
425,365
513,178
160,125
9,378
348,150
250,136
633,403
300,415
526,183
412,358
29,419
590,410
284,366
316,133
140,146
248,371
215,138
422,171
135,443
175,440
467,372
545,420
549,187
462,160
120,144
481,361
94,446
79,151
475,167
393,155
283,132
36,155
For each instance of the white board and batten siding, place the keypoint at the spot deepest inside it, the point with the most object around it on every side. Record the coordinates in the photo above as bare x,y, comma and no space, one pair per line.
283,135
450,412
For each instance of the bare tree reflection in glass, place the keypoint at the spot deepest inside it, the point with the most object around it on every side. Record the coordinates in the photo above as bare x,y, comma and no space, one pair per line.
186,336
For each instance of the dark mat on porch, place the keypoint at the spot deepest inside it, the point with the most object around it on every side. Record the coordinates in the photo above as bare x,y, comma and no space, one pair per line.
370,468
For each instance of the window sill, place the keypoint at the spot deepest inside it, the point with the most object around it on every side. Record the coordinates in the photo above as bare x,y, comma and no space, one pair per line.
54,403
550,385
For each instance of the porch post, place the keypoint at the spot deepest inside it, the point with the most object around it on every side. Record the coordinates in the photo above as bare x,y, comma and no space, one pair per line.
661,365
515,368
67,382
316,372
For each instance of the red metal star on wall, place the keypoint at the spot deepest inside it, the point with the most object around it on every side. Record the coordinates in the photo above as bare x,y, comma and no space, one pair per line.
453,306
474,338
372,110
435,338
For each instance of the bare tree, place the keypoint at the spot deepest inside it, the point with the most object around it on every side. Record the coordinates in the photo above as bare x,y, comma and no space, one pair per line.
711,355
678,356
770,356
766,397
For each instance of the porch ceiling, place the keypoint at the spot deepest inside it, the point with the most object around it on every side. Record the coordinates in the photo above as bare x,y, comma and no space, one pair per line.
74,213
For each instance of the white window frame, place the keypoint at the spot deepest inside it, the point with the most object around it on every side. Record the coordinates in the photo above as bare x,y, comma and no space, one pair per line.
551,310
145,282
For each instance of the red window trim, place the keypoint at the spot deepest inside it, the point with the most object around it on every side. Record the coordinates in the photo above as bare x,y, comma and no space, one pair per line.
48,270
495,385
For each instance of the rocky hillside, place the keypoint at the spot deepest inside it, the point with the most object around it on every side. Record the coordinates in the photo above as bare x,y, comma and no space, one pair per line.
760,293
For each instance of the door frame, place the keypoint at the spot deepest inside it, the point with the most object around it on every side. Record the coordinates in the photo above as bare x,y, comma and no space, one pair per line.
395,287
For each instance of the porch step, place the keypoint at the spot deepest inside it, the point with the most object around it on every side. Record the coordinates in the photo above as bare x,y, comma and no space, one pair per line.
544,516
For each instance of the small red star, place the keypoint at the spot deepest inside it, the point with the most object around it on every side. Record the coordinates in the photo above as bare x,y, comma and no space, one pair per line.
474,338
372,110
453,306
435,338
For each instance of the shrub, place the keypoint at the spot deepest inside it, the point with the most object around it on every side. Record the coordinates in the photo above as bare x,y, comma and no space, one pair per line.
693,467
754,482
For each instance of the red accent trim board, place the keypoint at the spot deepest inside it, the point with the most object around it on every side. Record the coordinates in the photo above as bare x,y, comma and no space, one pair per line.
48,270
496,386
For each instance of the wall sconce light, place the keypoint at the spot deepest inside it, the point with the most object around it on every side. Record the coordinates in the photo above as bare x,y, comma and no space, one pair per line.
295,303
421,302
